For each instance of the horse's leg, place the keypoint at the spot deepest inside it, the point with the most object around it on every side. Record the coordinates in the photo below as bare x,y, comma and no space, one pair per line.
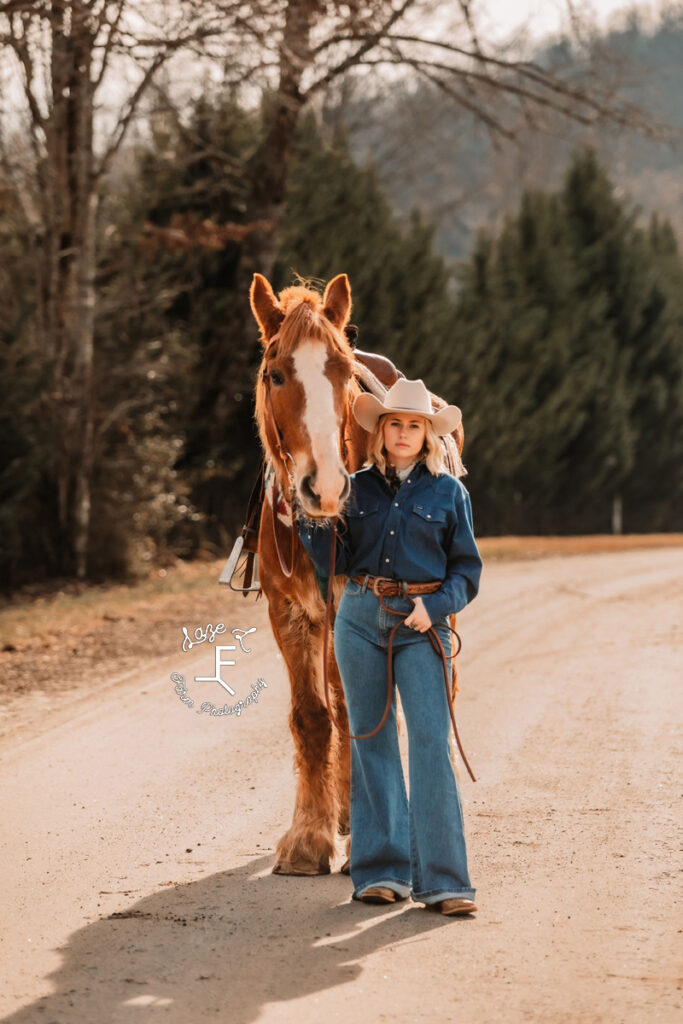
341,755
309,843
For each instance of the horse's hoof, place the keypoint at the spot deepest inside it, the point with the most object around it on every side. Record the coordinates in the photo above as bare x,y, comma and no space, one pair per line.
346,867
301,867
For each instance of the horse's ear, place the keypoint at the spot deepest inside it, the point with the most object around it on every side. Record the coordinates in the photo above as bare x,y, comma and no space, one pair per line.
337,301
264,307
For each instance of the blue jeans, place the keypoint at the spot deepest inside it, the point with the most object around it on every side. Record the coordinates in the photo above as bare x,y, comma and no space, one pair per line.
416,848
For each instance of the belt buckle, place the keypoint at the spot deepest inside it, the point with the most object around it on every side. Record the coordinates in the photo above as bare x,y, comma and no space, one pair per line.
376,584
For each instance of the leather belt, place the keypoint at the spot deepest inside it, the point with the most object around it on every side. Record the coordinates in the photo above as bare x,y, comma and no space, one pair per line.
386,585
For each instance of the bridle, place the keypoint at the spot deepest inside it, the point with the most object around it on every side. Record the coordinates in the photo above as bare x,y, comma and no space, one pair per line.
284,456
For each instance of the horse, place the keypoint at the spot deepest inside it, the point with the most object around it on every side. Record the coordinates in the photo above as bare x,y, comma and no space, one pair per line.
306,384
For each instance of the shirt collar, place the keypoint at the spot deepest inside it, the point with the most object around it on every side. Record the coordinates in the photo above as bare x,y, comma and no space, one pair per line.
419,467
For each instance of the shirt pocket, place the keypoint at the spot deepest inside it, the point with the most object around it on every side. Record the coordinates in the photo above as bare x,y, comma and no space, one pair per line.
431,513
362,511
428,524
363,523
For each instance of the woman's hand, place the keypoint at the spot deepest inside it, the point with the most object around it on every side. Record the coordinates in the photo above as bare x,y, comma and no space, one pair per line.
418,619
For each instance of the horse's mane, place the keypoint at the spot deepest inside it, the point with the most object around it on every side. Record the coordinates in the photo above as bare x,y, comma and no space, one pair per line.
303,316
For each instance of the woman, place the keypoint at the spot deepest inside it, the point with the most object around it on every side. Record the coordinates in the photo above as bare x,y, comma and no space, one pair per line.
406,519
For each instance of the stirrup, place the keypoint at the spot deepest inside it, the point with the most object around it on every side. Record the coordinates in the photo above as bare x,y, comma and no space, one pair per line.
230,568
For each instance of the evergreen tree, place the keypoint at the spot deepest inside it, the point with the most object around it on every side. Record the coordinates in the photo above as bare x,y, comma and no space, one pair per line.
560,318
654,497
339,220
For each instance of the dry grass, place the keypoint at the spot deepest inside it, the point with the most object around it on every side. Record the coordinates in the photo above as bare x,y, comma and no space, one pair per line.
75,634
69,605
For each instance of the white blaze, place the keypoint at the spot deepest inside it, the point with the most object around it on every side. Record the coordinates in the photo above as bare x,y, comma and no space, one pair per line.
320,420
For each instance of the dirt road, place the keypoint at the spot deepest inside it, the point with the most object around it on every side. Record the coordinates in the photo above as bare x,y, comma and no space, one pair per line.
138,835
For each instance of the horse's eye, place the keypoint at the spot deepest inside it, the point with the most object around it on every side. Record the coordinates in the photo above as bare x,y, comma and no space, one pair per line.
277,377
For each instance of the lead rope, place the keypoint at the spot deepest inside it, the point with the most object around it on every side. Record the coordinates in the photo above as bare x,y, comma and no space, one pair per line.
435,641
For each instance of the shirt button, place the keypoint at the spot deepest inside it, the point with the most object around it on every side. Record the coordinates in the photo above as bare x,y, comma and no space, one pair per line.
408,480
391,531
396,504
428,516
386,559
362,513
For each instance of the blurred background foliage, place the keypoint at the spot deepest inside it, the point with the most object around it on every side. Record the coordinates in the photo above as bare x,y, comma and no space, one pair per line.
557,327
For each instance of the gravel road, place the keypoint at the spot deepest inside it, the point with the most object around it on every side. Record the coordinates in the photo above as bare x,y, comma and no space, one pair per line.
138,835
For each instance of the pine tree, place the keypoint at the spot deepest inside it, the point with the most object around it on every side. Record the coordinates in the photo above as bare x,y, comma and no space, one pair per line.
339,220
565,323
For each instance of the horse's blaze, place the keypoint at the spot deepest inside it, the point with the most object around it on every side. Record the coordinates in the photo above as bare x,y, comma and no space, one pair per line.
326,474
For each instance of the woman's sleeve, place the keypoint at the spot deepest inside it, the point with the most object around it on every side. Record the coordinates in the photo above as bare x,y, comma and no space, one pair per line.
461,584
316,538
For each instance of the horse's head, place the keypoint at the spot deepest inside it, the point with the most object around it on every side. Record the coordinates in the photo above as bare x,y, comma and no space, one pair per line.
302,393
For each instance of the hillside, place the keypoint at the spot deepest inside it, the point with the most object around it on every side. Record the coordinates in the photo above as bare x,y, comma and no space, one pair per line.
432,155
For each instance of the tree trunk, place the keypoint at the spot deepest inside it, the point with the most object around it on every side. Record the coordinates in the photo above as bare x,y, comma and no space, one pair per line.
67,260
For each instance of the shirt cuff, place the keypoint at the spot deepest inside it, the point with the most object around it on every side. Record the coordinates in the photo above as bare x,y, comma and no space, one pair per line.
442,602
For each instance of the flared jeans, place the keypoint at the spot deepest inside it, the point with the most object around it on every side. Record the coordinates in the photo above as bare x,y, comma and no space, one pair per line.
415,847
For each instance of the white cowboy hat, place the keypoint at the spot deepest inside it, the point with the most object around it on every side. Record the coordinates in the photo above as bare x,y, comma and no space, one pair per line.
406,396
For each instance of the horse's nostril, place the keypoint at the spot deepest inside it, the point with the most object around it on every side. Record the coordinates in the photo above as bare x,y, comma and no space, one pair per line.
307,491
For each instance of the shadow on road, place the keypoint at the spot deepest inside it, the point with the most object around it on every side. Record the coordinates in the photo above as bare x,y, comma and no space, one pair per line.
221,948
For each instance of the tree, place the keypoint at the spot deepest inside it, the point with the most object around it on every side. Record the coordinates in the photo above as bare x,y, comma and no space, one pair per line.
65,52
572,364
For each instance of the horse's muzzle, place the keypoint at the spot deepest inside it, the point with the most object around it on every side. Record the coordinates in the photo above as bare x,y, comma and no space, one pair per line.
311,500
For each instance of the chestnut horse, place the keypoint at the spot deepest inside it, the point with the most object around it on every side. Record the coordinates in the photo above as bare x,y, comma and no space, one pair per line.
306,385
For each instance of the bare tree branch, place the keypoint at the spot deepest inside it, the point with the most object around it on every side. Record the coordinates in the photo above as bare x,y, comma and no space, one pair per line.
449,89
367,44
20,46
125,119
111,36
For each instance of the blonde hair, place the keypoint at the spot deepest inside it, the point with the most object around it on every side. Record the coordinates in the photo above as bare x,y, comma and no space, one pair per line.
432,451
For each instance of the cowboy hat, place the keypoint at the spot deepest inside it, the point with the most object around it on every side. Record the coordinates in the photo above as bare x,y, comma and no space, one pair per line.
405,396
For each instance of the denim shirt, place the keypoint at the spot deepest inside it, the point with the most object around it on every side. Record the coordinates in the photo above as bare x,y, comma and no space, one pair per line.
423,532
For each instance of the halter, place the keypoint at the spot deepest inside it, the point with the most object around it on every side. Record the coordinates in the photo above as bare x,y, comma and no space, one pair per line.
287,458
284,456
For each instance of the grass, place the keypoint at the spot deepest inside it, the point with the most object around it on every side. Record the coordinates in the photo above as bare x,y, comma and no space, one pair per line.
71,606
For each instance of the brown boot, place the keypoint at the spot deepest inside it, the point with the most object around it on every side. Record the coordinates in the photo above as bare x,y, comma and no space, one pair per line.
457,905
378,894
